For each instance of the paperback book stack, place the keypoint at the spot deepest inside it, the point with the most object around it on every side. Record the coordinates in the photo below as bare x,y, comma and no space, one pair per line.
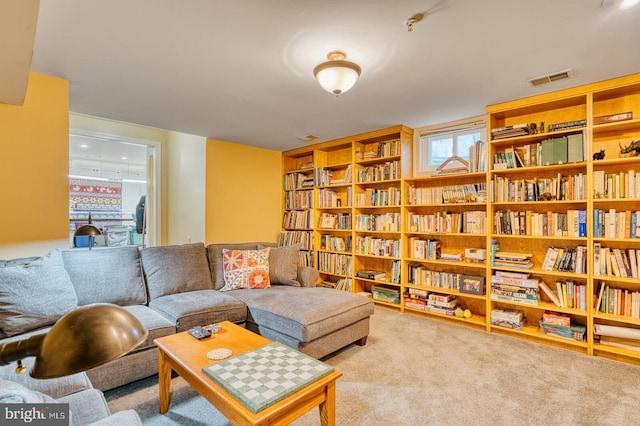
520,129
514,287
343,284
508,318
416,298
513,259
451,257
442,303
370,274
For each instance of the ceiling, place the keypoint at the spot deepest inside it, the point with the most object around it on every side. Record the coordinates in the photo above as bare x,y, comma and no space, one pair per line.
241,71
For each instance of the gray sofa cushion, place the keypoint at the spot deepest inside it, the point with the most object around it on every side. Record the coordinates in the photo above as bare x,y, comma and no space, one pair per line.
90,408
14,393
304,313
110,275
214,252
283,264
176,269
121,418
201,307
34,294
155,323
53,387
86,407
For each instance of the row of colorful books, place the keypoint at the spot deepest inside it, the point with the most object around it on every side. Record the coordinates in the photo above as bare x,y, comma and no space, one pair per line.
573,223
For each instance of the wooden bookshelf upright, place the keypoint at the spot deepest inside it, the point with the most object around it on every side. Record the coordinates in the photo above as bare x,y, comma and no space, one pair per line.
606,115
353,168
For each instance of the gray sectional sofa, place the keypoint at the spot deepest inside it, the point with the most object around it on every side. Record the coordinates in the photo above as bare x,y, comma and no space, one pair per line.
173,288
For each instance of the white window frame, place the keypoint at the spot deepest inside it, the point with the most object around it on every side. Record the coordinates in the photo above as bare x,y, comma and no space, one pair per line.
422,135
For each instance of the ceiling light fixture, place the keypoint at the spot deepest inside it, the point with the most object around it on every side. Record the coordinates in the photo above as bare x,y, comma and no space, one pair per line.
622,4
337,75
414,20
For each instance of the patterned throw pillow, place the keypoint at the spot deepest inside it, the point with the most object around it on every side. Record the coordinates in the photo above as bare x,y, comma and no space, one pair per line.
245,269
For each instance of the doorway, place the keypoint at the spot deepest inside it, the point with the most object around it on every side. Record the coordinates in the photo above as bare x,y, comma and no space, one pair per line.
110,177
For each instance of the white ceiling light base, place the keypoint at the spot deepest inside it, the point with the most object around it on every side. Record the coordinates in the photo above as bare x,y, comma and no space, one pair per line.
337,75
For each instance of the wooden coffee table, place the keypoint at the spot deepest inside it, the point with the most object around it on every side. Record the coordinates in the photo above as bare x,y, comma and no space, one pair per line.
186,356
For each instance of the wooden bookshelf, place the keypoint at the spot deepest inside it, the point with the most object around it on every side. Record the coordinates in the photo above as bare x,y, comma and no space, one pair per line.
572,114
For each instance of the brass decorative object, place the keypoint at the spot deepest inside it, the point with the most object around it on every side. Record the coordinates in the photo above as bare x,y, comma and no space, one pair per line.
84,338
88,230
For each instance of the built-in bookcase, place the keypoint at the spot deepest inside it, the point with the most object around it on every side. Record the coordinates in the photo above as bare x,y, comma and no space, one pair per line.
561,187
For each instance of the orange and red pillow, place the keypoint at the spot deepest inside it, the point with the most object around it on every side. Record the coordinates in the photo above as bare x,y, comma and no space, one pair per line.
245,269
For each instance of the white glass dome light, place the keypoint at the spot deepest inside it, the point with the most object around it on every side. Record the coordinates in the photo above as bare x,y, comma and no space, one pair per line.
337,75
626,4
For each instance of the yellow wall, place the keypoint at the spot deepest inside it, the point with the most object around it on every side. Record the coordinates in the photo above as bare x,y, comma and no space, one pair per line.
34,164
243,193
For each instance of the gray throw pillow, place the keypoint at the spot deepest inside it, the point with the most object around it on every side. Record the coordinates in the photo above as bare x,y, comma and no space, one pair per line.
283,264
176,269
34,294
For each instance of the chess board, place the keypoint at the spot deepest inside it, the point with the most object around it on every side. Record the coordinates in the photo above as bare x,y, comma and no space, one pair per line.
266,375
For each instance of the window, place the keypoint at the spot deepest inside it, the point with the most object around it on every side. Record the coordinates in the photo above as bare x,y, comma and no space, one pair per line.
108,177
438,143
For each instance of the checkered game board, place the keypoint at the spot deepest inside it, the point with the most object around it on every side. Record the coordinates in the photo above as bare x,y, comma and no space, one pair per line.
266,375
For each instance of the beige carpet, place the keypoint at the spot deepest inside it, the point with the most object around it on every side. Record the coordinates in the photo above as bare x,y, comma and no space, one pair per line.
418,371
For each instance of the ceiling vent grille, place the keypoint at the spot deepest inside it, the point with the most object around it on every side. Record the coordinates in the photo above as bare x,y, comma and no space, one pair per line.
538,81
310,138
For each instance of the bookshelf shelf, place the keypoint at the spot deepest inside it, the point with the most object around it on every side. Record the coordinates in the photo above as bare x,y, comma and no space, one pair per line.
534,332
618,354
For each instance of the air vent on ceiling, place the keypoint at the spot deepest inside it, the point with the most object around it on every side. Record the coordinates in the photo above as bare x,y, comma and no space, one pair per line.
551,77
310,138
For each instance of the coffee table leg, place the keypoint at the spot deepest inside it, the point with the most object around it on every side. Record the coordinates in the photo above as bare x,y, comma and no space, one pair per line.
164,382
328,406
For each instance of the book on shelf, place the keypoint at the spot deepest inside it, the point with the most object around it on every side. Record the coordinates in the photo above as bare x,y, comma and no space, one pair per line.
503,132
327,284
508,318
508,324
550,294
511,255
612,118
513,297
443,298
575,148
441,310
371,274
520,282
513,263
451,257
600,294
415,304
448,305
555,318
418,292
566,125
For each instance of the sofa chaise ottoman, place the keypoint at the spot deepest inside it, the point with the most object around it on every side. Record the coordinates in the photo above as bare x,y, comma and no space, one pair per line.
313,320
